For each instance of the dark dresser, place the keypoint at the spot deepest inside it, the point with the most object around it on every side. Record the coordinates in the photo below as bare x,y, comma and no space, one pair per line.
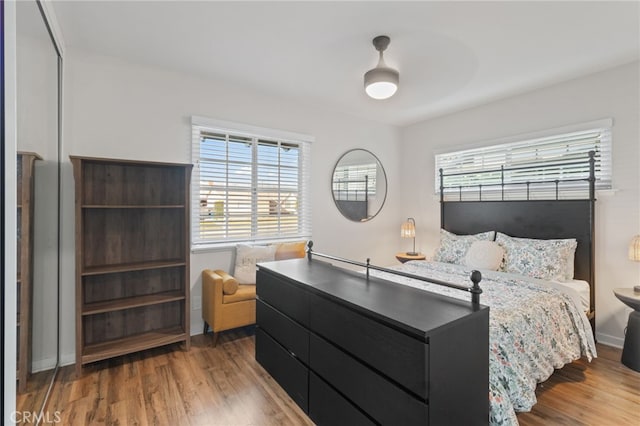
356,351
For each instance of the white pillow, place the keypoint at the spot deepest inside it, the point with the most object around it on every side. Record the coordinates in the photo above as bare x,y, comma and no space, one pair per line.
246,258
484,255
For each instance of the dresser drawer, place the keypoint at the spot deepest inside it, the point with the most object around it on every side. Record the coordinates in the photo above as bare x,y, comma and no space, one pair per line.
285,331
284,296
383,400
328,407
292,375
396,355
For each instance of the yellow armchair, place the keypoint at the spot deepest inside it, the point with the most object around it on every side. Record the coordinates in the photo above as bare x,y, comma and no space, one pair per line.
224,312
227,304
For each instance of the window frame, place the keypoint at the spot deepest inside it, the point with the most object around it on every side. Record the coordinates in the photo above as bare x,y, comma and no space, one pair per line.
200,125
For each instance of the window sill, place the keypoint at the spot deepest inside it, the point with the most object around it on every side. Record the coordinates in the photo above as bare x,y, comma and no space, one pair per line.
220,247
213,247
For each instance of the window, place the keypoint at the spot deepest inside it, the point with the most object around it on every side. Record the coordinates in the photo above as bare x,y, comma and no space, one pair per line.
548,158
249,184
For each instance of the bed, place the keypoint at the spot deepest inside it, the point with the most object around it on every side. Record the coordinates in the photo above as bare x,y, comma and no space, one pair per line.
536,325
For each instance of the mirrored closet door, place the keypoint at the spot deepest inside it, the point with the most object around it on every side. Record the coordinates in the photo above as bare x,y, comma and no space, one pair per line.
38,92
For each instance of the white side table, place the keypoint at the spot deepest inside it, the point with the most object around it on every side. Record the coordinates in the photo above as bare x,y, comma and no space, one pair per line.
631,349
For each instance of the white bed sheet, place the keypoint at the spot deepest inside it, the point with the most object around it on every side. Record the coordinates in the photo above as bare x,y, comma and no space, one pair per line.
582,288
578,290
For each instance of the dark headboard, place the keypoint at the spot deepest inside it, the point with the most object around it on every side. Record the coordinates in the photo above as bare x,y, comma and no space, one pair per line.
541,219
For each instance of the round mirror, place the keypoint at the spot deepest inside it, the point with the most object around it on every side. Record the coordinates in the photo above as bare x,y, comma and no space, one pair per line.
359,185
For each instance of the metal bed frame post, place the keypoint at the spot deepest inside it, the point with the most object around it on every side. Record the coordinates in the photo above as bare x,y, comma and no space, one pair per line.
592,215
502,182
441,199
366,194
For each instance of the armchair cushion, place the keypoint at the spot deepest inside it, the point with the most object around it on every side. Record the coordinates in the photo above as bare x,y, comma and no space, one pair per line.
245,292
229,283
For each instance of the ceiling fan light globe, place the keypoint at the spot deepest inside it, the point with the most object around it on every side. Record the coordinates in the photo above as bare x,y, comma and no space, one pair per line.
381,83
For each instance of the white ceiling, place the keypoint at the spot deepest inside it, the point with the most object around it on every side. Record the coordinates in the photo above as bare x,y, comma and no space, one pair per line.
450,55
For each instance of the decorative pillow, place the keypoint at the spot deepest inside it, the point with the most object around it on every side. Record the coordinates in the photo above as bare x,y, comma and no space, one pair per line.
291,250
453,248
484,255
229,283
246,258
544,259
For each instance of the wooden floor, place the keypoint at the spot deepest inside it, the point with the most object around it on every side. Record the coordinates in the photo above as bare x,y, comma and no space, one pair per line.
33,397
603,392
225,386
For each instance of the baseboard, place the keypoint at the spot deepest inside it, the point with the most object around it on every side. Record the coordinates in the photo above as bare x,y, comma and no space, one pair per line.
68,359
608,340
43,365
196,328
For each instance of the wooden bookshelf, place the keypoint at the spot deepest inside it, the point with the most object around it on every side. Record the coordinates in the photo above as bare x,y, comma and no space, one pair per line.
128,267
168,206
132,256
131,302
24,279
133,343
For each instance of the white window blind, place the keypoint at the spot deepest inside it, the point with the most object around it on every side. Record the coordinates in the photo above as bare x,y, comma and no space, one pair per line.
248,187
562,157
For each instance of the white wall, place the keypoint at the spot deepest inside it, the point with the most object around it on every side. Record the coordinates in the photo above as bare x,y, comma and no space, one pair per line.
117,109
615,94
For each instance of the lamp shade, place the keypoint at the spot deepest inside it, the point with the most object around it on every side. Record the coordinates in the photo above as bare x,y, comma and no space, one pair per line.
408,229
634,248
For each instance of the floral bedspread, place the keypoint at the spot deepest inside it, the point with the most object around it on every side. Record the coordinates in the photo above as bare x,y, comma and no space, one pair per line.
533,329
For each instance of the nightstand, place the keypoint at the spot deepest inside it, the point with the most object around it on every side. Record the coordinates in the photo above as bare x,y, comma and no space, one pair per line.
631,349
404,257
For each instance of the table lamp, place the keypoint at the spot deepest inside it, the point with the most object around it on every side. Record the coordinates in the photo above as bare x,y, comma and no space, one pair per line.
408,230
634,254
